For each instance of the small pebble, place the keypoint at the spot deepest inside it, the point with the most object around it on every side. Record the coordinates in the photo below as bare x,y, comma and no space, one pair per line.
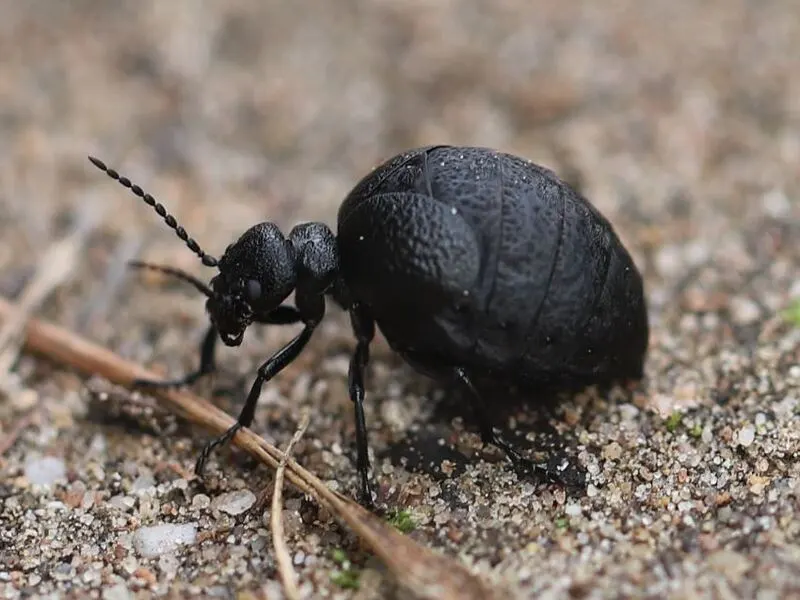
235,503
729,563
45,470
746,435
744,311
201,501
159,539
612,451
24,400
143,482
117,592
124,503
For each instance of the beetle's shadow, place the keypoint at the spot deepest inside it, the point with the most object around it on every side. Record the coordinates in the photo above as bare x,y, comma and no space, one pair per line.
432,442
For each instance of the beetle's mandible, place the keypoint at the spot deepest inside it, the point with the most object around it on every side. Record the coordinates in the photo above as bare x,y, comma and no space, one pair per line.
479,267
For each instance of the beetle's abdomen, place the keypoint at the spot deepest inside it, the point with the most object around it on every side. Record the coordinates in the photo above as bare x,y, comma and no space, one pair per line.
552,296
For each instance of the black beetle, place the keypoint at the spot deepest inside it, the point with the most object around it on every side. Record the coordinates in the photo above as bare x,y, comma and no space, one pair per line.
479,267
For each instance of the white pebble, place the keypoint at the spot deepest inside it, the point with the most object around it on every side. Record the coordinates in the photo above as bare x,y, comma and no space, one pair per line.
746,435
697,252
744,311
235,503
143,483
159,539
168,564
776,204
118,592
573,509
201,501
45,470
628,412
124,503
98,444
668,261
707,435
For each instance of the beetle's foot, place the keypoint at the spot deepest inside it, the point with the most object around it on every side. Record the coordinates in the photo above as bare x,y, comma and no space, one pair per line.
365,490
209,448
365,498
187,380
558,469
562,470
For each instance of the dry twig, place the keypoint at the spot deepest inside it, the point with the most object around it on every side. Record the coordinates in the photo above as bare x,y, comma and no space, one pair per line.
279,543
109,284
17,428
422,571
54,269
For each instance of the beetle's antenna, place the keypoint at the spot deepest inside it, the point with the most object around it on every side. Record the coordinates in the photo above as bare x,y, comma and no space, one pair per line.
207,259
173,272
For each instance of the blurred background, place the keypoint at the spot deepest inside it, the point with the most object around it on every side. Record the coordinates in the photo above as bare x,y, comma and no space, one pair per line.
680,120
664,113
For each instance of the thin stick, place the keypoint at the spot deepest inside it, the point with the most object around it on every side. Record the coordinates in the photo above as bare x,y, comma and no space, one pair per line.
54,268
424,572
110,283
16,430
279,543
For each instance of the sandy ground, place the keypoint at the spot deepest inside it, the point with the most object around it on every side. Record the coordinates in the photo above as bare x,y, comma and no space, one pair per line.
679,120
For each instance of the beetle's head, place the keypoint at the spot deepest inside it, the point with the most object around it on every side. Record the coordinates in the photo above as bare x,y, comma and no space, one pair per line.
256,273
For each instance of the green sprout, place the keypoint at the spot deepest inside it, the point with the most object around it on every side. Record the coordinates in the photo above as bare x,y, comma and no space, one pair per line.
696,431
346,577
673,421
562,523
402,521
347,580
792,314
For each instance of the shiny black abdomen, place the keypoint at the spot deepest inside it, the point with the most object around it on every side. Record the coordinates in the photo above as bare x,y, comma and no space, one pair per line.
467,257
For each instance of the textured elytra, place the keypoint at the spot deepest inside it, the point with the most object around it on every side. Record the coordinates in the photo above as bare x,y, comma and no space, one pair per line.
469,257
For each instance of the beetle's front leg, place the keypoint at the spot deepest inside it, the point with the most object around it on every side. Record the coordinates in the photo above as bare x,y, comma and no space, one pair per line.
311,311
207,365
282,315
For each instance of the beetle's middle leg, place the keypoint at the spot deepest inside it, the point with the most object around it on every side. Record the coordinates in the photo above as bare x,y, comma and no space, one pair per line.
545,472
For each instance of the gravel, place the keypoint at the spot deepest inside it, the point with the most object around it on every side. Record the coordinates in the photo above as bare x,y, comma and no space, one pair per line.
678,119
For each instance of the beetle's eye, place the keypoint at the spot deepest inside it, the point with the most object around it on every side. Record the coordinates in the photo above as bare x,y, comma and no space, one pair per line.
253,291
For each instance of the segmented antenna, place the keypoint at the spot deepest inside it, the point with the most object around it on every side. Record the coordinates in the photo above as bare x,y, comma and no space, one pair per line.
173,272
207,259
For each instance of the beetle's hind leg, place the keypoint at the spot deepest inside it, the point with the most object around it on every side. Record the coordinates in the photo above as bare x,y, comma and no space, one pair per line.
552,471
364,330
